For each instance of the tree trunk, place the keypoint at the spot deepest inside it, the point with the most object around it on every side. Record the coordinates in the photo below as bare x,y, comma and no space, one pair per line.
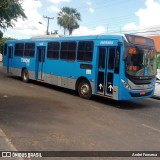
70,32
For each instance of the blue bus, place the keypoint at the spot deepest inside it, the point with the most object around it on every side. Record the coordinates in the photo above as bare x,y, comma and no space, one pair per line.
119,67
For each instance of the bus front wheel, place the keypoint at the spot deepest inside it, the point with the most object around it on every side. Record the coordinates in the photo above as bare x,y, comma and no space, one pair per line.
84,89
25,75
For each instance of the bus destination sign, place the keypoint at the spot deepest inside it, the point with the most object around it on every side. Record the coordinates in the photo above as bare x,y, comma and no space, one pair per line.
139,40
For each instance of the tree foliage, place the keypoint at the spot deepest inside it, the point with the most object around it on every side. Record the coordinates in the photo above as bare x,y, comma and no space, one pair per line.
158,60
68,19
1,34
10,10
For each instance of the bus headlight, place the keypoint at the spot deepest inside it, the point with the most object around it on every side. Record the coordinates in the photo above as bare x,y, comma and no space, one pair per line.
126,84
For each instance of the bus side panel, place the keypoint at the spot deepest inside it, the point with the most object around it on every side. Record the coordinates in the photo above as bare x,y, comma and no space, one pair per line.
65,73
5,59
116,87
20,63
123,92
4,63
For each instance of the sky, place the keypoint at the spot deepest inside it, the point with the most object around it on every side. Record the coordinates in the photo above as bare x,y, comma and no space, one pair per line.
97,17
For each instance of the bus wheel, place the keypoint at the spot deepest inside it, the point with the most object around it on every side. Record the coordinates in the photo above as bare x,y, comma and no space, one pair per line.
84,89
25,75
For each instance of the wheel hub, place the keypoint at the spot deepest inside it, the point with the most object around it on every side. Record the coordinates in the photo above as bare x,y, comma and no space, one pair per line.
25,77
85,89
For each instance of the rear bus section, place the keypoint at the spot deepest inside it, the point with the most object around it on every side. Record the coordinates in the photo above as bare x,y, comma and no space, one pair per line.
18,58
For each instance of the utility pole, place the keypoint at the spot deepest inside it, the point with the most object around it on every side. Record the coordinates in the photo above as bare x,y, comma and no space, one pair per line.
47,32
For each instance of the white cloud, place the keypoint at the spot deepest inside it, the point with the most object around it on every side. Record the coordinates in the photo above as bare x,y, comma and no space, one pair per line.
90,8
53,9
89,3
58,1
31,26
54,5
130,26
83,30
148,17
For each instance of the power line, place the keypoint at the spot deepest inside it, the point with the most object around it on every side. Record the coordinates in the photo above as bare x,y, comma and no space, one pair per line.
140,31
146,32
111,21
151,28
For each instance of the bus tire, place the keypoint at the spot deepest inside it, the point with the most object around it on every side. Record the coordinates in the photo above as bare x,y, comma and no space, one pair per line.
25,76
84,89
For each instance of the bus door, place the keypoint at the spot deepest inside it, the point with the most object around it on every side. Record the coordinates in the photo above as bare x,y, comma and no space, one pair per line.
106,65
9,59
40,62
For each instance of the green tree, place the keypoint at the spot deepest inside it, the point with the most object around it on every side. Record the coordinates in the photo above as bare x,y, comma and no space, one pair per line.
158,60
55,32
1,34
68,19
10,10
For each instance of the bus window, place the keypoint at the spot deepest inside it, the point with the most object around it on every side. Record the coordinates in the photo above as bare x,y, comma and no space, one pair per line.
19,49
68,51
117,60
29,49
102,55
5,49
85,51
53,50
112,52
41,53
10,52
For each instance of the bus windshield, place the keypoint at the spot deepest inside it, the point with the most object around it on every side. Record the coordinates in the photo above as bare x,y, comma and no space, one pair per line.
141,61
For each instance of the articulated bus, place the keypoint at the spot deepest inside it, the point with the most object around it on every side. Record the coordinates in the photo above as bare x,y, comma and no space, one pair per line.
119,67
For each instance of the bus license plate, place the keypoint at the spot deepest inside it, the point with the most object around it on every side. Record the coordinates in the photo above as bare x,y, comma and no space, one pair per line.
142,93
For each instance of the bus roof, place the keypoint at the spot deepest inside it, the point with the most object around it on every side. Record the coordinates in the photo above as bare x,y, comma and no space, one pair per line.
135,39
61,38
